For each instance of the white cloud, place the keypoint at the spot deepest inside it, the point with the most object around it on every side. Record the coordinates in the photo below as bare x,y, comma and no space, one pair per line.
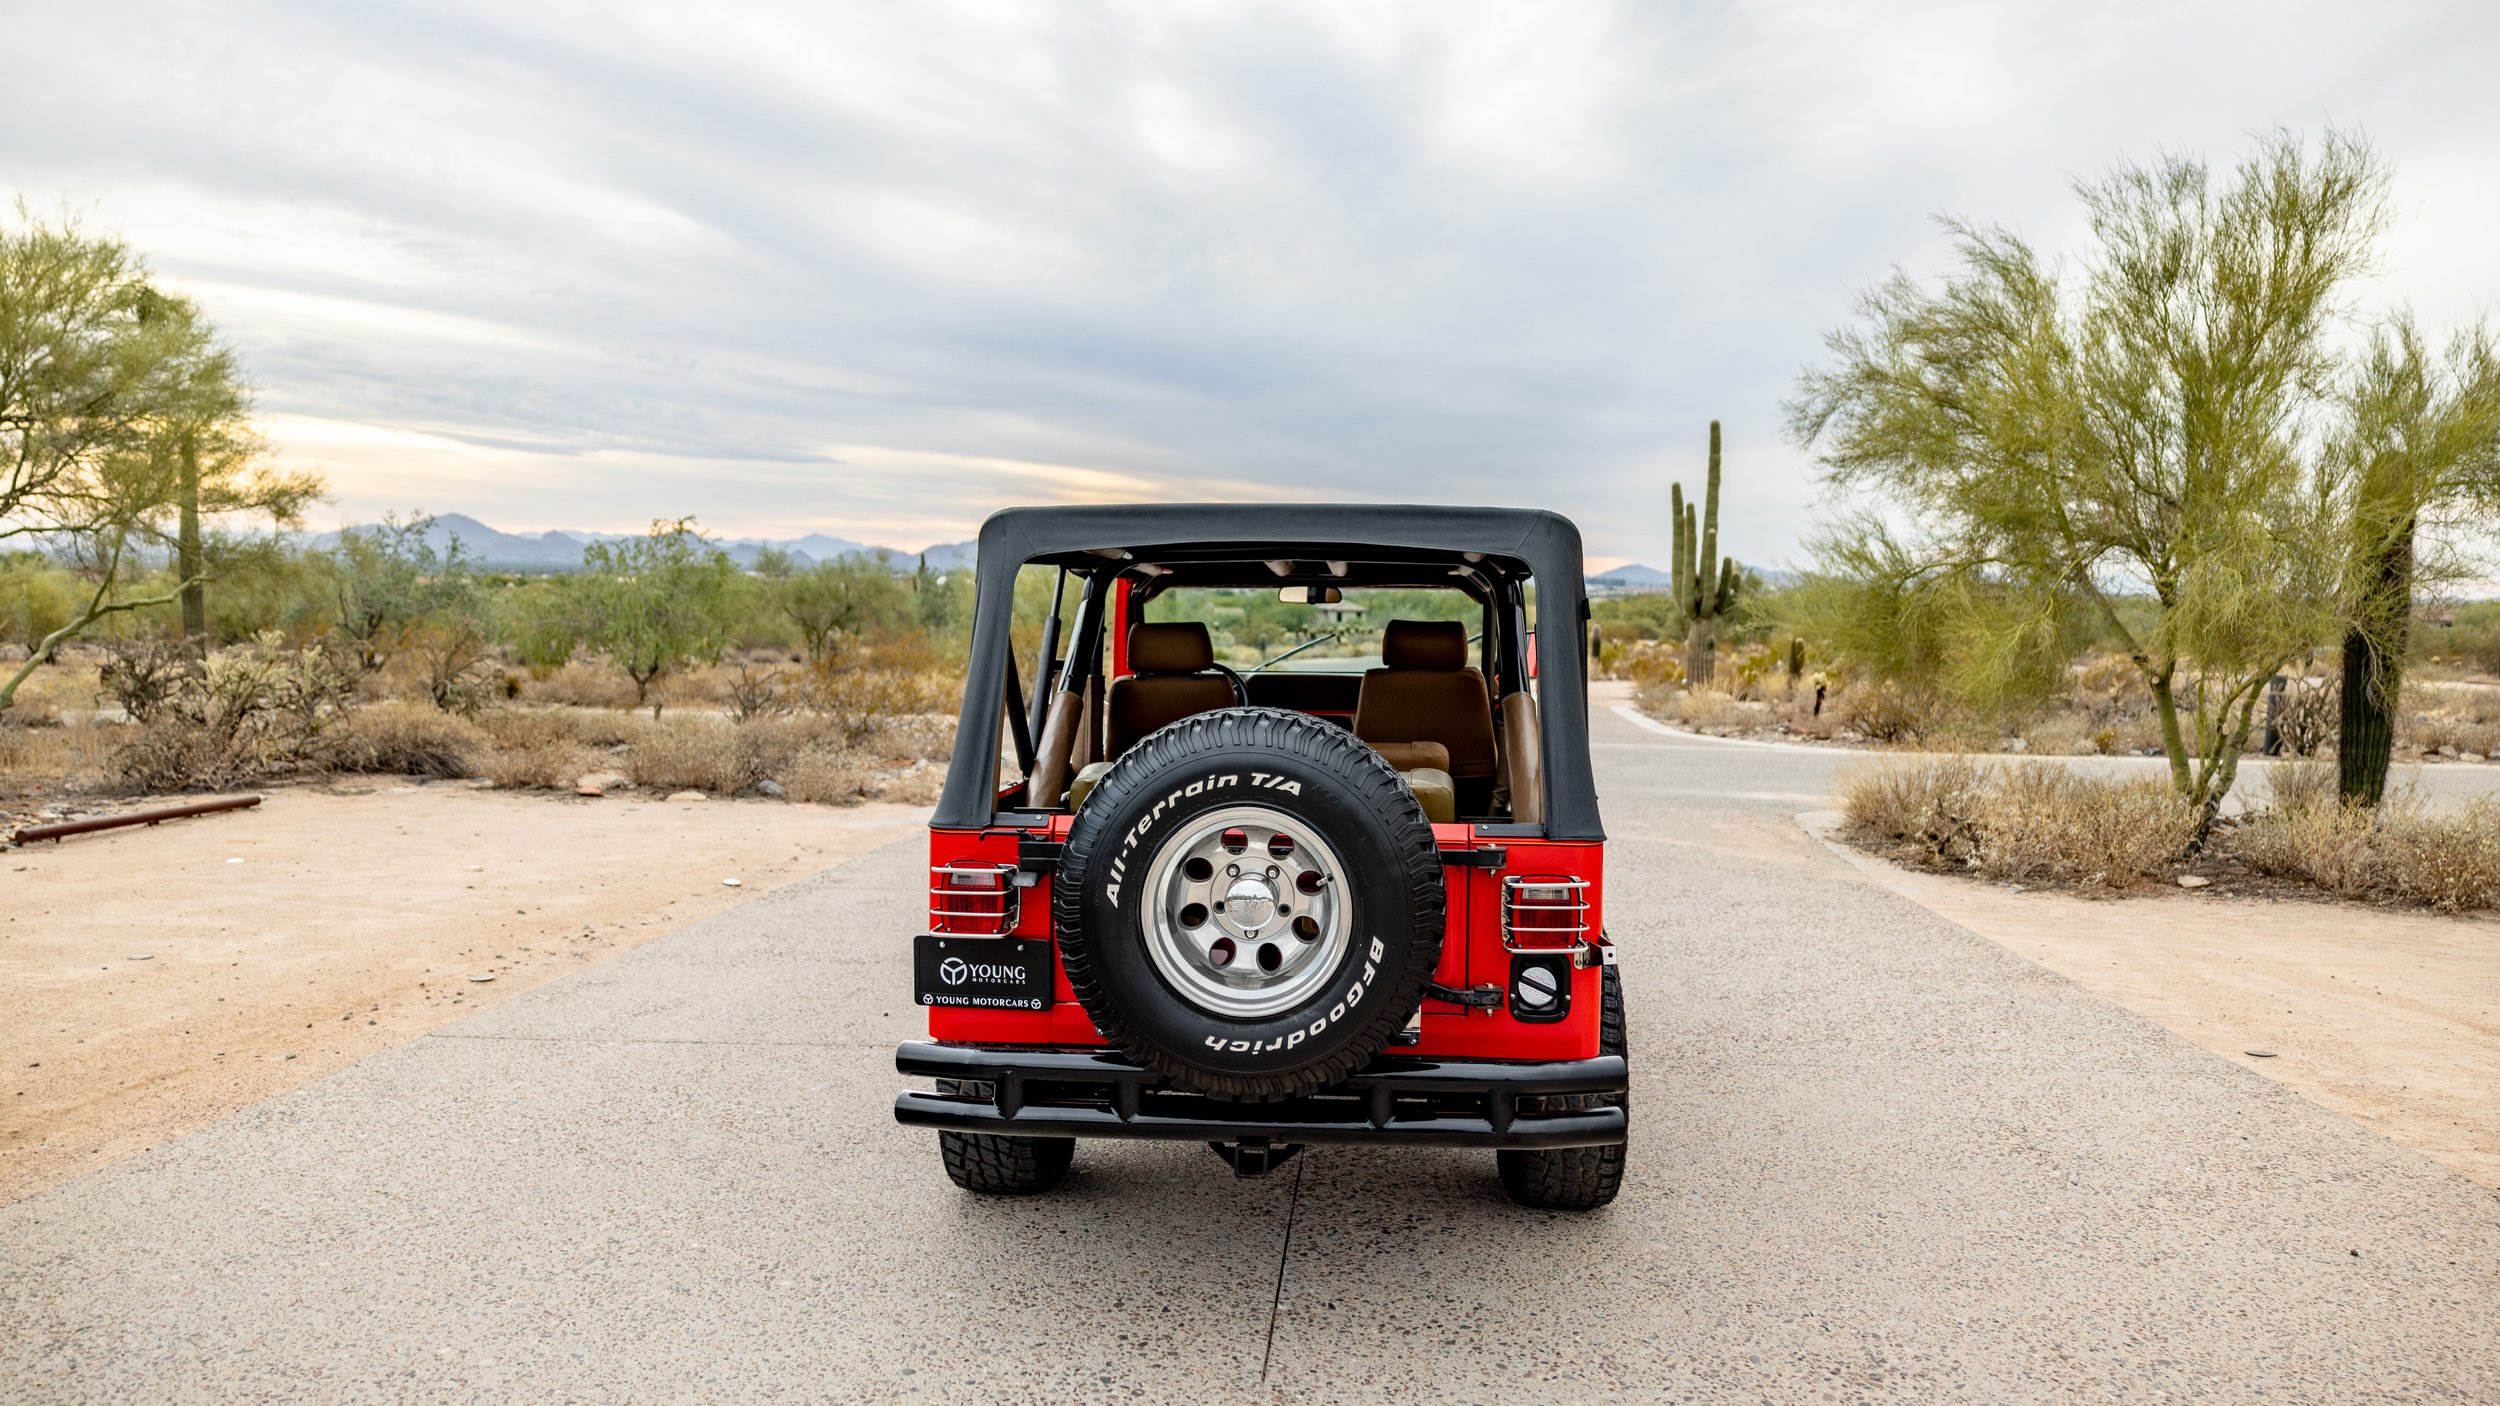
880,269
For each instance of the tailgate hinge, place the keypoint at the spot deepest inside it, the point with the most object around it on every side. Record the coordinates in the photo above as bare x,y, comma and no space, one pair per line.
1489,857
1481,997
1036,854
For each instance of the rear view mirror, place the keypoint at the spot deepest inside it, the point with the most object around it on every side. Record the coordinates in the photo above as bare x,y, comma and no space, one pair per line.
1310,595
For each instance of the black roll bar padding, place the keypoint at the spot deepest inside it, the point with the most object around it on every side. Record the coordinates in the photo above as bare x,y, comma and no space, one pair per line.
1588,658
1018,731
1045,668
1085,650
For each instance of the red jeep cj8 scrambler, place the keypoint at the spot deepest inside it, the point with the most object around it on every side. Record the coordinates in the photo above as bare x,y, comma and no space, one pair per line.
1347,894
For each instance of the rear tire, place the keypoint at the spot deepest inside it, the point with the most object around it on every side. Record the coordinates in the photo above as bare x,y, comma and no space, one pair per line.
1576,1178
1002,1166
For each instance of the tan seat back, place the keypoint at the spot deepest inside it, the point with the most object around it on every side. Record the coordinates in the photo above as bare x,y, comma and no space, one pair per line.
1425,692
1524,747
1169,684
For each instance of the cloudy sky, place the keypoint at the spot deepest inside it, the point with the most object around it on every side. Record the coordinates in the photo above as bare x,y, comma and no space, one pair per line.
877,269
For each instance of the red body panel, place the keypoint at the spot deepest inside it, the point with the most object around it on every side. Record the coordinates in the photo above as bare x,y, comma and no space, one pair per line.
1471,955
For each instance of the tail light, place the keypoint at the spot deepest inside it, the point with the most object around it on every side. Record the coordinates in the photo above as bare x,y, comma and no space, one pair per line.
973,900
1544,912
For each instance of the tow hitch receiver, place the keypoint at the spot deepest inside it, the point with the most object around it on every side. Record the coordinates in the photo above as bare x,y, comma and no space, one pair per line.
1255,1156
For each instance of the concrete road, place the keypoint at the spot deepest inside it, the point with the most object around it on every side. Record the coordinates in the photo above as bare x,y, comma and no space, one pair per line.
1875,1158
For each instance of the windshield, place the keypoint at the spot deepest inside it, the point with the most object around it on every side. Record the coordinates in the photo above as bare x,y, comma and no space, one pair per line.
1254,631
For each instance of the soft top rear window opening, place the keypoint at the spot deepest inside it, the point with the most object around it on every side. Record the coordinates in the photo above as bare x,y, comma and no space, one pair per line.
1512,551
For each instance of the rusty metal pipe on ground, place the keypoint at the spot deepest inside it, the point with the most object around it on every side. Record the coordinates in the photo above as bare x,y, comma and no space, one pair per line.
27,833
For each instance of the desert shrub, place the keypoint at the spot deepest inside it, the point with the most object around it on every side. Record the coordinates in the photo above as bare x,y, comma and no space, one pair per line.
580,686
2306,713
1647,663
2044,821
689,754
2034,821
2326,846
930,736
142,674
78,756
457,663
255,711
536,747
828,776
2449,861
2463,719
1708,708
2305,784
759,691
18,748
402,738
2063,735
2399,852
1932,803
864,686
1884,711
917,784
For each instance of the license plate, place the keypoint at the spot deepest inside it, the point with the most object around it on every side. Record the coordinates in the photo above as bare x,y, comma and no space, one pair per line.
993,973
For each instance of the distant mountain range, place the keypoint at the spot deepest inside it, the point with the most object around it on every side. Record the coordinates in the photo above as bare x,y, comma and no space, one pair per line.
1631,577
562,551
1634,579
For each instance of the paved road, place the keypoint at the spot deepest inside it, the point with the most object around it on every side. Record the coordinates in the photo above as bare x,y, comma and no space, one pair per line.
1875,1158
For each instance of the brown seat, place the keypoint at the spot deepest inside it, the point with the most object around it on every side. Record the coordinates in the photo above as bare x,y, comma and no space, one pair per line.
1170,682
1425,692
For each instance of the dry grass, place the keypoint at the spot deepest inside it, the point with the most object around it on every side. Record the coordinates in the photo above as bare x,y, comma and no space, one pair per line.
579,685
538,747
2398,853
2451,719
692,754
73,756
399,738
828,777
2448,861
2032,822
1704,708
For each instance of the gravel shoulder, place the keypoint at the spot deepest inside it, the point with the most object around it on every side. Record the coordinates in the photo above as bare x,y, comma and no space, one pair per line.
154,979
2391,1019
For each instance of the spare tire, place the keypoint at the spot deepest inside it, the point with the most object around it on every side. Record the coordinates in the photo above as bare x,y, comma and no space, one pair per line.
1250,903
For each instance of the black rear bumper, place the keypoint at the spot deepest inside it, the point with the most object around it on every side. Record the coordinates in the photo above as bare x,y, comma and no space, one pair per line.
1028,1092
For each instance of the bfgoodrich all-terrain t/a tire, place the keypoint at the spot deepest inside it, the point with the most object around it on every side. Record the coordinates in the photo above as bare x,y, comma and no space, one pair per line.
1250,903
1576,1178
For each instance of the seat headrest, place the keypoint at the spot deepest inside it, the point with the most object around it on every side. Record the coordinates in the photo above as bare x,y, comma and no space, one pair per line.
1180,647
1424,644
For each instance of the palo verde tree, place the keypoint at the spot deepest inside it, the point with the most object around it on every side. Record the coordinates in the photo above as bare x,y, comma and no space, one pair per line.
124,443
830,602
1703,591
653,604
388,582
2421,437
2140,427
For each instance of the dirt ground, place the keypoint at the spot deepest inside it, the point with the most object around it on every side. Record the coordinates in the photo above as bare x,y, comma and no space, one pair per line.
2389,1018
156,978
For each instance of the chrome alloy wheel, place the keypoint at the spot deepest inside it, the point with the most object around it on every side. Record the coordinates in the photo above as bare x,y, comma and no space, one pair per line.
1246,912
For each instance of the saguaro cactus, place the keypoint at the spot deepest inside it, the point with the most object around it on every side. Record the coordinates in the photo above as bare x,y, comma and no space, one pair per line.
1697,596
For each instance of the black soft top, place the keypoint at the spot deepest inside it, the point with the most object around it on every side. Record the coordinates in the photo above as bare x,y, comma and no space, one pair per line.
1544,543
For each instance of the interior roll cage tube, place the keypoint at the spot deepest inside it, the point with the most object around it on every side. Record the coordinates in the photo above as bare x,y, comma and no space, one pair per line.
1498,551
